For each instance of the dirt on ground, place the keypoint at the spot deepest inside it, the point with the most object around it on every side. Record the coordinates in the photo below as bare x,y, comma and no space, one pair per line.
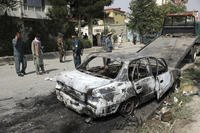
46,114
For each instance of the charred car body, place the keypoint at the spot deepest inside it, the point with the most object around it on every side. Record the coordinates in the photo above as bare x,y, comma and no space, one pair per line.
109,82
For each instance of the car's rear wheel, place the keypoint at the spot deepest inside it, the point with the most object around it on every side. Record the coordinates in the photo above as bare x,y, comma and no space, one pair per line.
176,85
127,107
193,54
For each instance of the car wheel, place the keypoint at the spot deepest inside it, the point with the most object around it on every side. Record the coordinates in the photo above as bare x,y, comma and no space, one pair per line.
176,85
193,55
127,107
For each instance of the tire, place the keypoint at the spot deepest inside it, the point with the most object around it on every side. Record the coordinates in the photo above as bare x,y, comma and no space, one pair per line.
193,55
127,107
176,85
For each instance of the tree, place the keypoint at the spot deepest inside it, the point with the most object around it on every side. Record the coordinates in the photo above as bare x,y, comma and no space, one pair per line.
88,10
171,8
8,27
146,17
64,11
143,17
59,16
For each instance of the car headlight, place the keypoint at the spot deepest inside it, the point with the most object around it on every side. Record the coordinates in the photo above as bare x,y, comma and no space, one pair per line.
59,85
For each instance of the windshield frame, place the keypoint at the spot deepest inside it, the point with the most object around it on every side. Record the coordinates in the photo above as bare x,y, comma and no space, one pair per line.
82,67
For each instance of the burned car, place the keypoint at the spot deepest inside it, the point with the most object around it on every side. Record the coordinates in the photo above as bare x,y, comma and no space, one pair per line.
106,83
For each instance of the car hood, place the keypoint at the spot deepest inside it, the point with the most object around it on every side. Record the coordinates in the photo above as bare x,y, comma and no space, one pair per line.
80,81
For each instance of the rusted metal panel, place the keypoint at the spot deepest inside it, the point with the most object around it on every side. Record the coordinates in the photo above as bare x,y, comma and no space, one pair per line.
172,49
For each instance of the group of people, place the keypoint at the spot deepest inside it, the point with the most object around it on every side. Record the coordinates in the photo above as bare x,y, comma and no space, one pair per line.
36,48
19,58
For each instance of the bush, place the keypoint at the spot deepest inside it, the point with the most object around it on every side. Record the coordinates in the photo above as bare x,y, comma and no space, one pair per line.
115,38
68,44
86,43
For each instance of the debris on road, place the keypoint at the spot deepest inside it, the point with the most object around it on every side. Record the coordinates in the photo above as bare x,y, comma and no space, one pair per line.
50,79
190,90
175,100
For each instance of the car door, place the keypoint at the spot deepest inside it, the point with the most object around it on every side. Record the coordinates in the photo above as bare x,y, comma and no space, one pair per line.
163,78
143,81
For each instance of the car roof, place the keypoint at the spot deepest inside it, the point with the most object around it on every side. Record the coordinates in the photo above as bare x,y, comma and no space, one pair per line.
119,56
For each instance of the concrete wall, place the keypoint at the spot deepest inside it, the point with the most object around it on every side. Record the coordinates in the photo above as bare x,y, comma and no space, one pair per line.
24,11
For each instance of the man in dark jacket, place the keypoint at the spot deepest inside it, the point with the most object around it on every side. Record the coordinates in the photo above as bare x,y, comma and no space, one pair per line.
77,50
19,54
108,42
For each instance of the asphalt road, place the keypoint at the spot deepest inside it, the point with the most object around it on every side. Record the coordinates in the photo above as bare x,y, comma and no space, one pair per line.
28,104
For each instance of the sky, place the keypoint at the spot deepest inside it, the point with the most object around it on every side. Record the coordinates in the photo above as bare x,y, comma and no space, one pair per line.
124,5
192,5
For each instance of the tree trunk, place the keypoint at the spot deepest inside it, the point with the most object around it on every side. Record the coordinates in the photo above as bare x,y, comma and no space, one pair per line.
90,30
79,26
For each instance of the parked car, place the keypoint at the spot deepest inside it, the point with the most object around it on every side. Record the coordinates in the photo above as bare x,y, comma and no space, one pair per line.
109,82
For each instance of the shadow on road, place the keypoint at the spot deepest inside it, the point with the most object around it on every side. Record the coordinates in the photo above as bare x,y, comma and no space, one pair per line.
48,71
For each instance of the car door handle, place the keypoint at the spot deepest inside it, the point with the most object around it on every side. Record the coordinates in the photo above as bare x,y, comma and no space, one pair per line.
161,81
139,87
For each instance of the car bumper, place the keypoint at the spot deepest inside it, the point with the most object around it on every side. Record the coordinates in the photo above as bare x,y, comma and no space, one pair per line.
75,105
86,108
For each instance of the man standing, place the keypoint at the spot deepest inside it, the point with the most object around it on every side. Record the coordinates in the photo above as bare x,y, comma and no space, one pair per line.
61,49
77,51
134,38
108,47
37,55
108,42
19,54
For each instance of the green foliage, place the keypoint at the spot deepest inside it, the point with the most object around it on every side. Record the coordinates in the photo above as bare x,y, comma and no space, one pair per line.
169,8
115,38
147,18
86,43
143,16
8,28
68,44
59,14
43,29
88,8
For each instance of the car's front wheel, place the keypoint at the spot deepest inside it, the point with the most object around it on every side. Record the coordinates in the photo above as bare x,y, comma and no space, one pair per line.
127,107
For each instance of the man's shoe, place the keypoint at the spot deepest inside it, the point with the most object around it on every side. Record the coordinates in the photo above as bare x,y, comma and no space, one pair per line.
38,73
24,73
44,72
20,75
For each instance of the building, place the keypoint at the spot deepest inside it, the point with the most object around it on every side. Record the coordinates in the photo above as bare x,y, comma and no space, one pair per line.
115,16
30,9
114,20
27,12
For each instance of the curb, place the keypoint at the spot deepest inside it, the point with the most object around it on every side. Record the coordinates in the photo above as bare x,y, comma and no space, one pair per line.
47,55
52,55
